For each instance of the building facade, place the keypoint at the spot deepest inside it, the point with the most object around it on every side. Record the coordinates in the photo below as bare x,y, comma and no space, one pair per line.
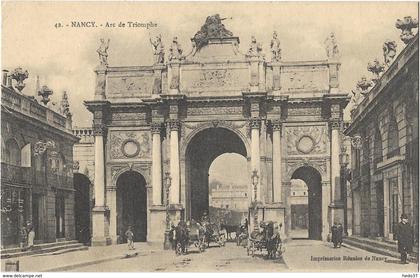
158,128
36,165
384,133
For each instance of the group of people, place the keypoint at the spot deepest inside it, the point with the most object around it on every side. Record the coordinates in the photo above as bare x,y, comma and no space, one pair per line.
27,237
404,235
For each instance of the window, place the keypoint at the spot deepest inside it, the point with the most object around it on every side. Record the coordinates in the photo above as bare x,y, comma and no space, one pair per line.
393,140
12,153
377,152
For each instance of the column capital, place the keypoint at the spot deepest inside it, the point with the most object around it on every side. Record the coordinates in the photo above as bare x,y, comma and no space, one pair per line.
255,123
174,124
99,129
276,125
335,124
155,127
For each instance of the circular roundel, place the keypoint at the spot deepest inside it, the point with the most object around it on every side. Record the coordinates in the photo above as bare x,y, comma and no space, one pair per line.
130,148
305,144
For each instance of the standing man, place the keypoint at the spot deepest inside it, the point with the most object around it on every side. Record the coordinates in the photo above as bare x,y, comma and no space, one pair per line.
31,236
130,238
405,238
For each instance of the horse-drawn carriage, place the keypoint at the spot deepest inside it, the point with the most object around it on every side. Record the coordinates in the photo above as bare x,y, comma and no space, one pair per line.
265,239
213,233
196,234
187,235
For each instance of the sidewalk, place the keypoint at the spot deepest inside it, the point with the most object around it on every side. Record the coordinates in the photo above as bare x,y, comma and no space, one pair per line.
94,255
318,256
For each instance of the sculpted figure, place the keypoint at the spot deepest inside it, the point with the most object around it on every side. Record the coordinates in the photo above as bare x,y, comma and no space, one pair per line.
175,51
212,28
405,25
254,48
331,47
275,48
103,52
158,49
390,50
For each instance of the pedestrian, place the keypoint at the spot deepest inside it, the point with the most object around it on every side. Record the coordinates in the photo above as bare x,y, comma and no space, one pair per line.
130,238
23,238
405,238
335,234
339,234
31,236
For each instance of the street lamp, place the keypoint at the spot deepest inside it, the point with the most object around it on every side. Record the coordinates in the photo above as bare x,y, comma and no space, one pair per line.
167,242
344,161
254,180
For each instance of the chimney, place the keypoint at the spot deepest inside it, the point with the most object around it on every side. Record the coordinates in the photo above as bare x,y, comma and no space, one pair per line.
4,80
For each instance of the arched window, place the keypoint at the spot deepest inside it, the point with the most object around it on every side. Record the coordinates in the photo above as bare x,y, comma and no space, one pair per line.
377,152
12,153
393,138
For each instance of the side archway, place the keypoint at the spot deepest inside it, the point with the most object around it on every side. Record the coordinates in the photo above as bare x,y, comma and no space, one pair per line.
131,205
312,179
83,203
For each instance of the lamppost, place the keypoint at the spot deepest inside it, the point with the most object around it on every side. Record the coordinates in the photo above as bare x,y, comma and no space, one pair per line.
254,180
167,242
344,161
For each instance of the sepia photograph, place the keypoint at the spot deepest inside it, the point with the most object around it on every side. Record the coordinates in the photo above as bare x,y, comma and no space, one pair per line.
240,137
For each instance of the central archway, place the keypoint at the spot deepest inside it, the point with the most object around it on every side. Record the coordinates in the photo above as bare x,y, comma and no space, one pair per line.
132,205
201,151
312,178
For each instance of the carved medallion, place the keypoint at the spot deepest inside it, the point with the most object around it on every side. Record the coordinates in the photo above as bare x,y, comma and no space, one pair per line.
129,144
306,139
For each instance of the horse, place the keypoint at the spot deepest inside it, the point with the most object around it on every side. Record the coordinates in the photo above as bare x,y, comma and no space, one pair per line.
229,230
181,238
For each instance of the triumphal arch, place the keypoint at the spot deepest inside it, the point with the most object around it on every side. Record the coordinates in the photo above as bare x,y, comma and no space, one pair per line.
164,124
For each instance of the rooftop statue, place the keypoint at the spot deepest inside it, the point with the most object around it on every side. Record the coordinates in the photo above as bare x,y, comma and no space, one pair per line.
331,47
212,28
64,105
376,68
275,48
406,25
390,50
175,51
158,50
254,48
103,52
19,75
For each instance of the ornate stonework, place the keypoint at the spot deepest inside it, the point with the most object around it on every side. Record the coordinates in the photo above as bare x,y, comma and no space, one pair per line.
319,165
174,124
255,123
215,109
156,127
129,144
99,129
306,140
276,124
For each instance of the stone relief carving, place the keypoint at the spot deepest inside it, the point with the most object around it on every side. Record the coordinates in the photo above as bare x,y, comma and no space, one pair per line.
214,110
306,139
129,144
117,170
214,78
304,78
130,85
293,165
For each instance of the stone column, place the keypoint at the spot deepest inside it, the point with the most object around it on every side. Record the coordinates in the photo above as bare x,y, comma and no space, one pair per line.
277,169
335,162
325,200
98,212
156,164
112,205
255,152
174,161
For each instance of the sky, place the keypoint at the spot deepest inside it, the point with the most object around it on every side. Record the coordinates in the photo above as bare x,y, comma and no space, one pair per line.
64,58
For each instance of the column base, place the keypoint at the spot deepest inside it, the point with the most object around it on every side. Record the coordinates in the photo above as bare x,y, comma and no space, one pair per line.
167,245
99,222
157,224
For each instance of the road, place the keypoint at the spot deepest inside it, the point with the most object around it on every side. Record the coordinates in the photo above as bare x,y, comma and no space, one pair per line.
225,259
301,255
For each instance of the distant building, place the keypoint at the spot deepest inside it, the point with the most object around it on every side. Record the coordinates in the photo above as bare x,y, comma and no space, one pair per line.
385,138
36,164
229,196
